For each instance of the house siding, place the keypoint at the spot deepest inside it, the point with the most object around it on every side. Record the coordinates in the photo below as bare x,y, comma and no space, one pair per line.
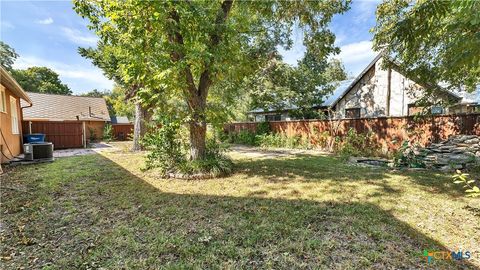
370,94
14,141
97,128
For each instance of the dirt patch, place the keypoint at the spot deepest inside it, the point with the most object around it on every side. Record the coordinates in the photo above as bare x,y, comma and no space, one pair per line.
93,148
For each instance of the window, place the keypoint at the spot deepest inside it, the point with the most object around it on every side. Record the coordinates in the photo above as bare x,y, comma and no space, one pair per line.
413,109
352,113
13,111
273,117
3,100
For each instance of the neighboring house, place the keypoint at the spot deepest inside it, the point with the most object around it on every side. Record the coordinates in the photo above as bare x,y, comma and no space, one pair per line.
377,92
11,116
67,121
122,127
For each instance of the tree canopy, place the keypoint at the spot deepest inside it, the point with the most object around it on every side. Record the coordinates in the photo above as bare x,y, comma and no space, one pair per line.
279,86
40,80
183,49
435,41
7,55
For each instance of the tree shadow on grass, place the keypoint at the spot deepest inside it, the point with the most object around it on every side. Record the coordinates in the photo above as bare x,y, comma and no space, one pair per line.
308,168
100,215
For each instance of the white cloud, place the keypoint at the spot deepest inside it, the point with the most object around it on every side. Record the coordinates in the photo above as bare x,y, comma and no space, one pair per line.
48,20
79,37
6,25
71,74
356,52
356,56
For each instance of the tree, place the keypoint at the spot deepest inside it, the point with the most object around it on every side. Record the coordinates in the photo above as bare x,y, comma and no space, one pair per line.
108,58
7,55
434,41
184,48
40,80
118,104
280,86
96,93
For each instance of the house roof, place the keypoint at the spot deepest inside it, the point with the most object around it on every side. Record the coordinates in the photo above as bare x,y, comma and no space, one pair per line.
9,82
345,86
120,120
355,81
63,108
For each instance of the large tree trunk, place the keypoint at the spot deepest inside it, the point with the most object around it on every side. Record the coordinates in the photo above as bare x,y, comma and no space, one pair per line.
139,127
198,131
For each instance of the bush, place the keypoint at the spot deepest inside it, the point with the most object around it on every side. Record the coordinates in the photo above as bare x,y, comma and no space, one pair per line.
108,133
405,156
168,152
93,134
355,144
263,128
468,184
165,148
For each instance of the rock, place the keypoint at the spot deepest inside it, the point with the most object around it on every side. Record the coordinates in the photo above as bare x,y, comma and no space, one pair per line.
458,152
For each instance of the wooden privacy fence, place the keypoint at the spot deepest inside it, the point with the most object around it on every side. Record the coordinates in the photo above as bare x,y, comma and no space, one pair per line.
61,134
388,132
122,132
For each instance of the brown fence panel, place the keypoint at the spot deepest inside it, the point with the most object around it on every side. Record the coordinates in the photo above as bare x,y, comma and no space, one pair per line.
122,132
61,134
389,132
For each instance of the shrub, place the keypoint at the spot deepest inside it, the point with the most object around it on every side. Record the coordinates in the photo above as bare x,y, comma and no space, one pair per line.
263,128
405,156
355,144
165,148
168,152
108,133
245,137
93,134
463,178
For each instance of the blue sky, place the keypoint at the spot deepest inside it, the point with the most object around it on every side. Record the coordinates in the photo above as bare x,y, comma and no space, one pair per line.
48,33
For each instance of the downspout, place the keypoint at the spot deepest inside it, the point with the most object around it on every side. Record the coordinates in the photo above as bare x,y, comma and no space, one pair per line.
30,123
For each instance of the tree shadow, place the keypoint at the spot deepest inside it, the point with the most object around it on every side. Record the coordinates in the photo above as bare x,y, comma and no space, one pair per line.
101,215
309,169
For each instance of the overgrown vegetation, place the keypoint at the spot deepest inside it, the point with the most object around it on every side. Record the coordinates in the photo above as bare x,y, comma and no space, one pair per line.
405,156
168,153
356,144
108,133
464,179
351,144
93,134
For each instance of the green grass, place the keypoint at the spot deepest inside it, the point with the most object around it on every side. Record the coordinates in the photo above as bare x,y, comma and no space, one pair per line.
96,211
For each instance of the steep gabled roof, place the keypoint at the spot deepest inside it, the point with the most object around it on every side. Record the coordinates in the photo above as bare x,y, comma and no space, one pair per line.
357,79
372,63
9,82
65,108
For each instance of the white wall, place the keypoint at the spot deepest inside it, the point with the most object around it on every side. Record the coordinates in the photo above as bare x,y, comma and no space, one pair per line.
370,94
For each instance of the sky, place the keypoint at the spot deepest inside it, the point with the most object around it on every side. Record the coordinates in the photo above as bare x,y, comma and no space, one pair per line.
48,33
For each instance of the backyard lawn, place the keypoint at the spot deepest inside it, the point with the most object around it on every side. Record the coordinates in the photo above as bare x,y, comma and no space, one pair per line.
299,211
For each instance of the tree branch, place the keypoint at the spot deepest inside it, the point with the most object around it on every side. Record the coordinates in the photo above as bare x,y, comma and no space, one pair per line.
215,38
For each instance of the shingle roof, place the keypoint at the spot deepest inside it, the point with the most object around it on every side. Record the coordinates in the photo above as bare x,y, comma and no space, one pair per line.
60,108
120,120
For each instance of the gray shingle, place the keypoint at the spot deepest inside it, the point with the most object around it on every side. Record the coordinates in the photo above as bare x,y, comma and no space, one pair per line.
60,108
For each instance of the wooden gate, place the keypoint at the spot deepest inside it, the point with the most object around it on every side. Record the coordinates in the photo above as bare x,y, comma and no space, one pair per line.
61,134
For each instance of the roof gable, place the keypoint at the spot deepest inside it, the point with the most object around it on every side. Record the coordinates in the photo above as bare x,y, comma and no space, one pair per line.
64,108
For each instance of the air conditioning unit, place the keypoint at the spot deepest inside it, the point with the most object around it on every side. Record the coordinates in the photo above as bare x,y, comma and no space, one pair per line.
37,151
